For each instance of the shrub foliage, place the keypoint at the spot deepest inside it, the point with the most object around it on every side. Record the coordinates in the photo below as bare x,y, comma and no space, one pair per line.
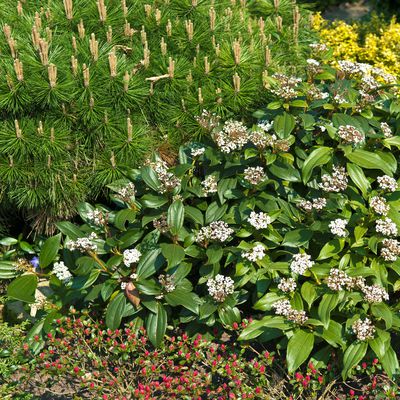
296,218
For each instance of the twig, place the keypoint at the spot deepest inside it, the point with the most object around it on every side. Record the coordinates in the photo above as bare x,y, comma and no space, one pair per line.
157,78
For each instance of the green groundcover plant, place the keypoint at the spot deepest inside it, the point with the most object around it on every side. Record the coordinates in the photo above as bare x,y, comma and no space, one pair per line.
81,357
295,219
89,87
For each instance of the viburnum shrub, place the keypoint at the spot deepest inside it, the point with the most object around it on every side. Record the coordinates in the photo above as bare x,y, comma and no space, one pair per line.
296,217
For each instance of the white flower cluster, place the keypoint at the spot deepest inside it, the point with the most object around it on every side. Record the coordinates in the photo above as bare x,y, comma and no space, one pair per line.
349,134
167,282
316,204
265,125
217,230
197,151
353,68
385,128
386,226
131,256
207,120
374,293
233,136
336,182
338,227
287,86
254,175
220,287
161,223
83,244
365,70
390,250
283,307
167,179
127,192
61,271
313,66
259,220
301,262
379,205
318,47
338,280
210,185
365,98
287,285
123,285
260,139
363,329
380,73
339,98
387,183
256,253
369,83
96,216
315,93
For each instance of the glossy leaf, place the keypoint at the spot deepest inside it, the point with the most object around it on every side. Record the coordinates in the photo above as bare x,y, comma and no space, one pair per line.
299,349
156,325
319,156
115,310
23,288
352,356
49,251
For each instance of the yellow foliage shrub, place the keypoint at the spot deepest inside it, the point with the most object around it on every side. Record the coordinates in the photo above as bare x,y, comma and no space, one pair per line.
380,50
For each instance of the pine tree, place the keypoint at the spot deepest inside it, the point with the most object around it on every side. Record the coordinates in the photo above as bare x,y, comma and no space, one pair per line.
88,88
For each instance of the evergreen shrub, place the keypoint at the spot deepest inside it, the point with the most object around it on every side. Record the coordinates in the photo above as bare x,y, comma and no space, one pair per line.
295,219
374,41
89,87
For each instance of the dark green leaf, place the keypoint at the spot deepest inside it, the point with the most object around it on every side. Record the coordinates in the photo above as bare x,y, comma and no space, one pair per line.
173,253
70,230
115,310
156,325
23,288
183,298
390,362
382,311
153,201
150,263
228,315
331,248
297,238
284,125
352,356
319,156
150,177
7,270
175,217
357,175
49,251
369,160
194,214
123,216
327,304
299,349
